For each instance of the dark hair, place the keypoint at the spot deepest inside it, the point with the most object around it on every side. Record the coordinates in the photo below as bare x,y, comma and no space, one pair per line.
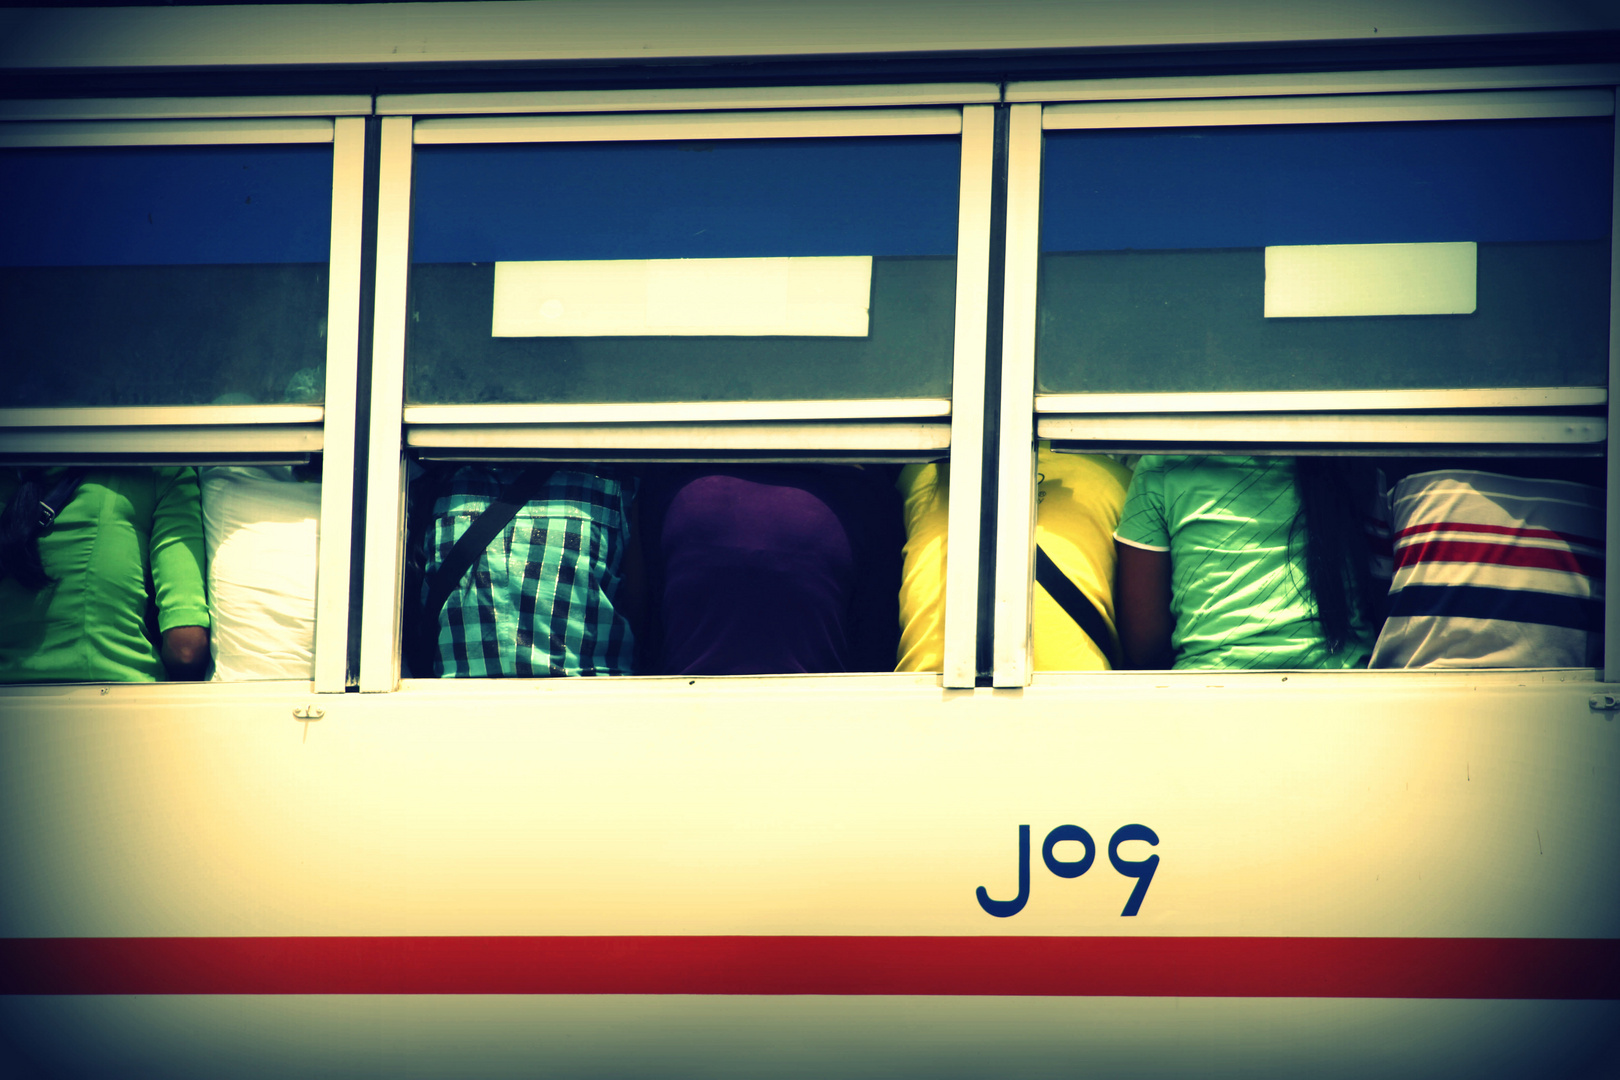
20,529
1335,496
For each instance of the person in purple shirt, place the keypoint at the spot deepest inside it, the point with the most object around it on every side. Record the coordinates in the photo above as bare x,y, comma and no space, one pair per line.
764,569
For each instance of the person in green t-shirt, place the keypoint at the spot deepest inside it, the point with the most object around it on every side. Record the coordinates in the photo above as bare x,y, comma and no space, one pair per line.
1242,562
76,611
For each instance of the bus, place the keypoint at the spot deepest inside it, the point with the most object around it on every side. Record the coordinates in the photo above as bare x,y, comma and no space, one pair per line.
354,235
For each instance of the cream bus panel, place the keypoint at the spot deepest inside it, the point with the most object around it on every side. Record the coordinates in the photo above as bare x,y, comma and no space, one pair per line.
741,877
1416,806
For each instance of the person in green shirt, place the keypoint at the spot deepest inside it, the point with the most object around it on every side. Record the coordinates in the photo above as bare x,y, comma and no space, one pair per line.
76,611
1243,562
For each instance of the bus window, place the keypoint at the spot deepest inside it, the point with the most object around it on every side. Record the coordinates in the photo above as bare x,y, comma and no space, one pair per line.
586,568
165,275
85,553
683,271
1368,256
180,301
776,304
1288,280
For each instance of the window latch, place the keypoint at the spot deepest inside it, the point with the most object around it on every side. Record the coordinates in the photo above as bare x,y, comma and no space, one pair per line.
1604,703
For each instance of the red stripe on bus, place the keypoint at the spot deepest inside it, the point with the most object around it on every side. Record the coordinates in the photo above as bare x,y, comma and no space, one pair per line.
1481,552
1528,968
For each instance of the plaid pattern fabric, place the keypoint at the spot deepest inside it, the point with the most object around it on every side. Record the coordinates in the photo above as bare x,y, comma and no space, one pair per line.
540,600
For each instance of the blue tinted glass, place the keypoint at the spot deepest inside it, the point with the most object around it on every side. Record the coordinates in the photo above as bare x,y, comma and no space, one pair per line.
1154,272
174,275
894,199
714,199
1237,187
166,206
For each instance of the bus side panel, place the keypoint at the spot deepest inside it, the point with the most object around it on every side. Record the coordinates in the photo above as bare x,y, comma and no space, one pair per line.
1412,871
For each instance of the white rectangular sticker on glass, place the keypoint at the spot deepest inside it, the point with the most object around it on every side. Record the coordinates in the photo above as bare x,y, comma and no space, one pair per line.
1319,280
771,297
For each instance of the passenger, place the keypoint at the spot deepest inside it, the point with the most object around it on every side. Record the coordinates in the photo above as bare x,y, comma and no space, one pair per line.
1494,571
263,532
1079,497
1238,562
765,569
73,590
535,590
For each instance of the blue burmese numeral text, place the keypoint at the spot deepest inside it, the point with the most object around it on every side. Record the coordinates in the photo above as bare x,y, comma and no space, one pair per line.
1141,870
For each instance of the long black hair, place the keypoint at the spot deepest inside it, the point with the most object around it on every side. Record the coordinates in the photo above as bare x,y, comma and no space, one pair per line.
21,524
1335,498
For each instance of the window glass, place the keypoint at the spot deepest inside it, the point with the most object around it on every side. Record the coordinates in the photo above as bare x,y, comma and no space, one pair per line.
1326,257
616,273
164,275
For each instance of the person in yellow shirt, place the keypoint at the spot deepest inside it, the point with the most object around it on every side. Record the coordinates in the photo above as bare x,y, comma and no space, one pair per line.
1080,497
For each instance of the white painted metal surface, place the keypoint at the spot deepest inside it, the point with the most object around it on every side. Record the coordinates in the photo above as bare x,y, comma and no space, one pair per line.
685,98
1338,401
183,108
409,35
1446,429
1015,486
845,437
385,467
647,412
1301,805
167,132
963,515
1287,803
1319,82
1344,109
808,124
272,441
161,415
342,386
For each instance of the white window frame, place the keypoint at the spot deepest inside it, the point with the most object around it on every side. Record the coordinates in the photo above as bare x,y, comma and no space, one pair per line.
234,432
1387,422
778,430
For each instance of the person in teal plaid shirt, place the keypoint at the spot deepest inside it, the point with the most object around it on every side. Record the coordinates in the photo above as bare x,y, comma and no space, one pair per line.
544,598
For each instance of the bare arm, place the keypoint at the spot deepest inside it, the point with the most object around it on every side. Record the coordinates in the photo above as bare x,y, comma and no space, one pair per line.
185,652
1142,606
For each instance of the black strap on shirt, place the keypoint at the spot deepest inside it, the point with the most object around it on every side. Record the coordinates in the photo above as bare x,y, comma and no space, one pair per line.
1076,604
58,498
468,547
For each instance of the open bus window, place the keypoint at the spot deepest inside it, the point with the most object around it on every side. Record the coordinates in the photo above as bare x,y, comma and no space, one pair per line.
149,574
766,315
537,570
1293,280
1238,563
681,271
103,575
164,275
1326,257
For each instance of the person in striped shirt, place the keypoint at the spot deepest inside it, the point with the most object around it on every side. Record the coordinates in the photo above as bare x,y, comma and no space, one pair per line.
1494,570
